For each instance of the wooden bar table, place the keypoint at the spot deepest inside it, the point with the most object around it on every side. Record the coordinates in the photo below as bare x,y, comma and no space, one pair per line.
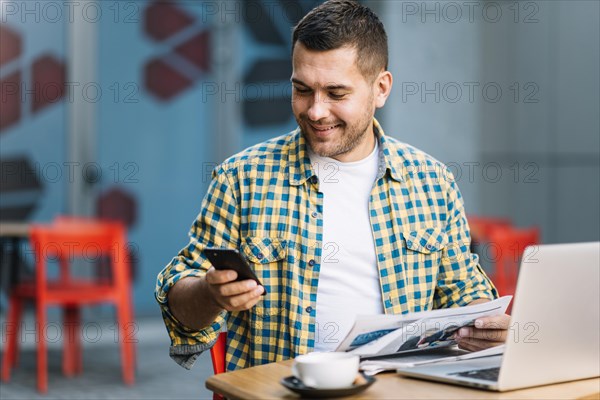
14,229
262,382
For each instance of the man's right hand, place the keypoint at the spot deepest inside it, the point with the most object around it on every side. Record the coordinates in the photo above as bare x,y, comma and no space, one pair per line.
196,302
229,294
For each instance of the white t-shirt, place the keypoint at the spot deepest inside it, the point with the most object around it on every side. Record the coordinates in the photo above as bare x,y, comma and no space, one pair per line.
349,278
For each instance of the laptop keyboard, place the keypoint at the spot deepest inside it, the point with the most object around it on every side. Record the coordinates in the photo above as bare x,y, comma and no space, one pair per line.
489,374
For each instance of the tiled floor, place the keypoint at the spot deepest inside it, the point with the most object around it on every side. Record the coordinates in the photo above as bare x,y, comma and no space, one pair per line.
157,376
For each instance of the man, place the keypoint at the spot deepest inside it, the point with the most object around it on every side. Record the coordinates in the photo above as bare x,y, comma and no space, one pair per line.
336,218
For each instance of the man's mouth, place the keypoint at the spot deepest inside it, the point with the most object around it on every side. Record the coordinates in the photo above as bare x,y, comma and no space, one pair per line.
324,129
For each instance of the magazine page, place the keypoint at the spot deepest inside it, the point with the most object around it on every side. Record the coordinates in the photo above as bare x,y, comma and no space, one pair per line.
389,334
448,354
370,327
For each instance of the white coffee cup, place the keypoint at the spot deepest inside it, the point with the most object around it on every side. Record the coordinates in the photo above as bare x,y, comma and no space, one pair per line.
326,370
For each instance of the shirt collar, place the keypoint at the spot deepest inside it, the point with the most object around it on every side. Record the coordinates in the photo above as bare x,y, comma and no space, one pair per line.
301,169
388,157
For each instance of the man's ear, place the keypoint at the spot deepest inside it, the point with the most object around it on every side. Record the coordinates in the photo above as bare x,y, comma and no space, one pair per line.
383,87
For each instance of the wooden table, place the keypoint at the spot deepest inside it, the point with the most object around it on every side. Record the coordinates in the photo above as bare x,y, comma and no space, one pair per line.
14,229
262,382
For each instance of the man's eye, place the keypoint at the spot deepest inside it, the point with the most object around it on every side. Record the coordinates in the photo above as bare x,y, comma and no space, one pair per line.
337,96
301,90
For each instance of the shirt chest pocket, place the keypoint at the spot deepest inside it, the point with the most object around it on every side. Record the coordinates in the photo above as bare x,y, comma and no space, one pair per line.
267,256
422,252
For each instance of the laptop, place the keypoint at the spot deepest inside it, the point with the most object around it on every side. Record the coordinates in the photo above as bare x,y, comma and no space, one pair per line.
554,335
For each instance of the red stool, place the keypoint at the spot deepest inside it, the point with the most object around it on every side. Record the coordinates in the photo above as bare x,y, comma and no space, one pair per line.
481,227
217,355
65,242
510,243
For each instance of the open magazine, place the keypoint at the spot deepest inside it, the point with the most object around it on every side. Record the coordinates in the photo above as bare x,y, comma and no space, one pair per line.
385,335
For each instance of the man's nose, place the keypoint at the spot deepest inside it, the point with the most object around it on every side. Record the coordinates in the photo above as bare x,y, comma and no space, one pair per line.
319,108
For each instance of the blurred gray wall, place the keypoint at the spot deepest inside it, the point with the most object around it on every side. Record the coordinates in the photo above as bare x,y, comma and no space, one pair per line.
506,93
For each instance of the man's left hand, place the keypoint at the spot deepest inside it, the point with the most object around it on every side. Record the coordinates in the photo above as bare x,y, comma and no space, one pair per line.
488,332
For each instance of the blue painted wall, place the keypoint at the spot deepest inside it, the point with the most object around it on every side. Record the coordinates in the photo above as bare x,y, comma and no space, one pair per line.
161,152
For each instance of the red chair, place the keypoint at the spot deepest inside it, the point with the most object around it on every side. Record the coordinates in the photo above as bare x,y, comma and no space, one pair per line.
510,243
217,355
65,242
481,227
72,354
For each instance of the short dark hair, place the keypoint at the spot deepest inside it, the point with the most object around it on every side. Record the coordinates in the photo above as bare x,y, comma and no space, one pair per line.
338,23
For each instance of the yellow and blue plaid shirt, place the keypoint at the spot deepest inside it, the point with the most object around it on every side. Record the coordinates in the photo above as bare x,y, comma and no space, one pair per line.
265,201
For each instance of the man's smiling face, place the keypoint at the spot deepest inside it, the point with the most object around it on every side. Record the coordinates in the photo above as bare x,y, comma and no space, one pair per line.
334,103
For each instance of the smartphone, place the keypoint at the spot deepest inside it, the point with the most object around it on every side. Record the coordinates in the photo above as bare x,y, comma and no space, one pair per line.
222,259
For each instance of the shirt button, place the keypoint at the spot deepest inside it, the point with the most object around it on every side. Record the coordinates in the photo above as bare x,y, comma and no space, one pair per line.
311,262
428,246
314,214
314,180
259,256
309,309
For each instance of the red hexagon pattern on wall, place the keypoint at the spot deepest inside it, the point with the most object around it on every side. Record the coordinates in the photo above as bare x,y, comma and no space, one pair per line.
117,205
165,76
11,100
163,80
48,82
45,86
162,20
10,44
196,50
